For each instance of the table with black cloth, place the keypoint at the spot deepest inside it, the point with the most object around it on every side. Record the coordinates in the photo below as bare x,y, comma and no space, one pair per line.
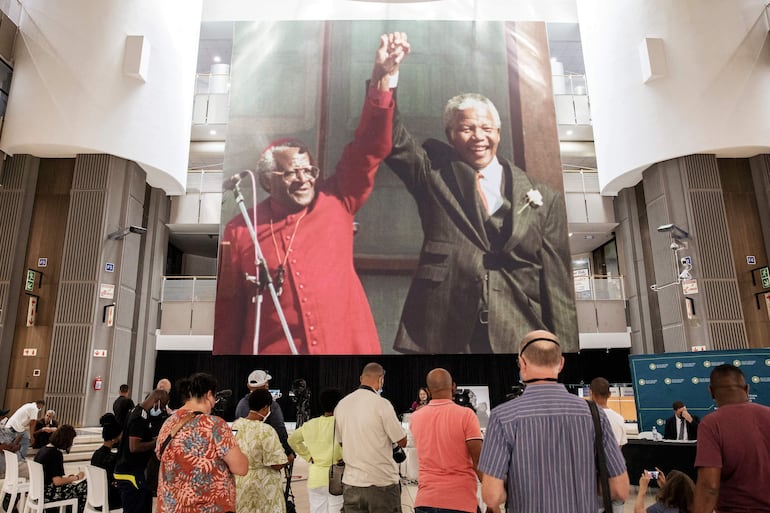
646,455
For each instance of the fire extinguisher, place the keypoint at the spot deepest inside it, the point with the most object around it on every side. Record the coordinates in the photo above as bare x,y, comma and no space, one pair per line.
98,383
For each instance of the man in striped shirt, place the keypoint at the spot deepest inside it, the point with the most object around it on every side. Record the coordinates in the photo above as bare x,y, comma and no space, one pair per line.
543,442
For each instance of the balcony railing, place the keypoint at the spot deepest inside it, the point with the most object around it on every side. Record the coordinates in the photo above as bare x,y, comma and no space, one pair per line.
212,99
571,99
599,287
203,201
187,305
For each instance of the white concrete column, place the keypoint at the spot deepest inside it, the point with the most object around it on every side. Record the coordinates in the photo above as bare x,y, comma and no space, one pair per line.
71,92
711,98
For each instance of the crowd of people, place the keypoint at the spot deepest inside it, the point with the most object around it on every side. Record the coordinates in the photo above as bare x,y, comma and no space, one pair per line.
537,454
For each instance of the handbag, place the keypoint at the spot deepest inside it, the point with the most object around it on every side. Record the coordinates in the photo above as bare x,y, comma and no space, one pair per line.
601,458
336,470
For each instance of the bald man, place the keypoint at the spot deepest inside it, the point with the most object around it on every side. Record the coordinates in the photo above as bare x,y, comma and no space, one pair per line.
543,441
448,441
733,456
368,428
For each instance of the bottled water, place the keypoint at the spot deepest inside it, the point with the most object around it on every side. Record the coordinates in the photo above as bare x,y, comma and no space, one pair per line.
655,435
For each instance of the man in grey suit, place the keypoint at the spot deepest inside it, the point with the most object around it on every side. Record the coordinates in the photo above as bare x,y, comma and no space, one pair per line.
495,261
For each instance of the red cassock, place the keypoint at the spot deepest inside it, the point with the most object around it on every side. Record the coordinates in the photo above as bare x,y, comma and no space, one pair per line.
323,301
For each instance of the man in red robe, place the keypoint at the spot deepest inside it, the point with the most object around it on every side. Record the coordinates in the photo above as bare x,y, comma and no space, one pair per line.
305,231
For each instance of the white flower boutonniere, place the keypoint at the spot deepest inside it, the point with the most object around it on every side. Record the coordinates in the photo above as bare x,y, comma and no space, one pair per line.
534,199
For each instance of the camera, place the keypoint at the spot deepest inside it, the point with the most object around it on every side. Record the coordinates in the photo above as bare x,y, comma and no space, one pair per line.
399,456
653,474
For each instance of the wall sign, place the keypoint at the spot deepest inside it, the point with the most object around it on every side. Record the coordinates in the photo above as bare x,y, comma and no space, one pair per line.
108,315
751,260
764,274
690,286
32,311
106,291
42,262
100,353
29,351
29,283
109,267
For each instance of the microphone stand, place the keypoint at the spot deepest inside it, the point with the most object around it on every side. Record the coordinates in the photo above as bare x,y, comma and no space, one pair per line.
261,267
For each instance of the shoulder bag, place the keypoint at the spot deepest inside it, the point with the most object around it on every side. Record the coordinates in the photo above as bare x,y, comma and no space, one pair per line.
187,418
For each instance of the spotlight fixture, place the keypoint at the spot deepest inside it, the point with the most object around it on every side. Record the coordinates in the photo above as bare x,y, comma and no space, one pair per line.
675,231
120,234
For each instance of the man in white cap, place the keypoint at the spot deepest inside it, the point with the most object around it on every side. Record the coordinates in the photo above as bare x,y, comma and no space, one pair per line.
257,380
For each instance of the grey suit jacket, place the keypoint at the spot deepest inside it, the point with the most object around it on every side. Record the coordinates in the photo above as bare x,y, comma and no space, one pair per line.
526,286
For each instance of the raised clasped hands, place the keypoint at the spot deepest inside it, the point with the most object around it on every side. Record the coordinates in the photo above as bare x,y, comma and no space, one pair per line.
393,48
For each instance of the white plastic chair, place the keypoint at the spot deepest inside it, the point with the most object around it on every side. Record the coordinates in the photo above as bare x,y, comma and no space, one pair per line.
97,500
36,496
13,484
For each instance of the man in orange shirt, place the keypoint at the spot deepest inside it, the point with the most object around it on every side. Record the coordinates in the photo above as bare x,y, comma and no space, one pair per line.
448,441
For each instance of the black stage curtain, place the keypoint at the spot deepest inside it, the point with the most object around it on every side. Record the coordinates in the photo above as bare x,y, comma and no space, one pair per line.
404,374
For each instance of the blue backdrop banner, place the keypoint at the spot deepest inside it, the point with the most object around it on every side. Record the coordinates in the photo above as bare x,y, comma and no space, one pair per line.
659,380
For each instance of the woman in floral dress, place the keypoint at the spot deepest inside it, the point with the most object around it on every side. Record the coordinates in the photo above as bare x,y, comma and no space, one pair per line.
198,461
260,489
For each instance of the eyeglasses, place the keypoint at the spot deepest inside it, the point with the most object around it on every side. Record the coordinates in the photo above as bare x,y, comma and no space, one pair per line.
290,175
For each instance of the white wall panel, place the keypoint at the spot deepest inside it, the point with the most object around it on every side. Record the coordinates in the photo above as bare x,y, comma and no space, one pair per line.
70,93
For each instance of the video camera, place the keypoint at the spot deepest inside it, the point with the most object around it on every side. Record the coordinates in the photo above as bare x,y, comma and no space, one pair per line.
300,396
220,402
465,397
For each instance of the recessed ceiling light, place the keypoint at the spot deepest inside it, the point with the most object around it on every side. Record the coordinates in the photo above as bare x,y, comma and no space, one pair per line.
217,58
212,132
588,237
570,234
570,132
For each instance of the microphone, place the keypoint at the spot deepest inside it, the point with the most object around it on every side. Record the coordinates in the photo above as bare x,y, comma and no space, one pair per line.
230,183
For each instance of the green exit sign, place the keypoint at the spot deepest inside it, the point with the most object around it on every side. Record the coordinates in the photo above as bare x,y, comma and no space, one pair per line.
764,273
29,284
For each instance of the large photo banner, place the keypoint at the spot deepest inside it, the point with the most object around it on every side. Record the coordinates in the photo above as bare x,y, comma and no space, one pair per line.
402,182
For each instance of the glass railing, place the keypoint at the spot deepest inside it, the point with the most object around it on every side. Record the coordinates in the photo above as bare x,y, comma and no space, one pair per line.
599,287
187,305
212,99
571,100
202,204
